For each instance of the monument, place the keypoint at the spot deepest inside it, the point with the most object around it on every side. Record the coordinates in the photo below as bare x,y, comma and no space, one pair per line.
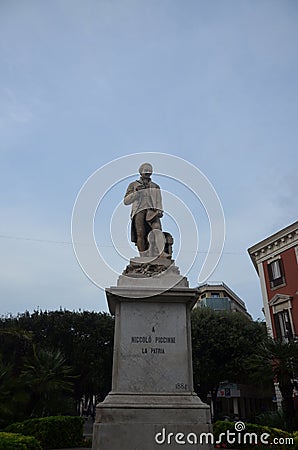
152,402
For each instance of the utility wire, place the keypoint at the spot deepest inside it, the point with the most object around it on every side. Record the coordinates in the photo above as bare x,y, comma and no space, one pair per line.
49,241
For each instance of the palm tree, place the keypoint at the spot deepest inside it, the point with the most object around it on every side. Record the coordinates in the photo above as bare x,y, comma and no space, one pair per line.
49,380
282,357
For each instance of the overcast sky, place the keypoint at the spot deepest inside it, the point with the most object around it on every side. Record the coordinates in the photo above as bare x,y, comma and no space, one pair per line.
85,82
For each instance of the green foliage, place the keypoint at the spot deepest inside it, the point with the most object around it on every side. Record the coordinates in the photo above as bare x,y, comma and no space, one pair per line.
13,396
295,434
275,435
38,350
223,344
281,359
5,392
11,441
48,378
52,432
85,338
273,419
15,342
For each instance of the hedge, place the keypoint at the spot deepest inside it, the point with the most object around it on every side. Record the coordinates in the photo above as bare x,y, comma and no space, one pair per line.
295,434
52,432
284,437
12,441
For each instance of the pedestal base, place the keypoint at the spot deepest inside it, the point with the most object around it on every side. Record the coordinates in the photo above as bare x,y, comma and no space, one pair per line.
152,402
145,422
147,272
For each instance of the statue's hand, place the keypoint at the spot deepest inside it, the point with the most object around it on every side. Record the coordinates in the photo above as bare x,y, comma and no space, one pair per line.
160,213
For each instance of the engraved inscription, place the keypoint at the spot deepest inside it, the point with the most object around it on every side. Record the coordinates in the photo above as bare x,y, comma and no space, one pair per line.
157,340
141,339
153,340
165,340
157,350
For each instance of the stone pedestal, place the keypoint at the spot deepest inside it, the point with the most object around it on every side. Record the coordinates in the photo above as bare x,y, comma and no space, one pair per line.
152,402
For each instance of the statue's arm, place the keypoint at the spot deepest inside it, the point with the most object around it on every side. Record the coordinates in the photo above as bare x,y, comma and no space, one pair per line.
159,202
157,199
131,194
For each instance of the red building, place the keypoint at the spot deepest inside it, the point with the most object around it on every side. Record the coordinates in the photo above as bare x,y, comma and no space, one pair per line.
276,262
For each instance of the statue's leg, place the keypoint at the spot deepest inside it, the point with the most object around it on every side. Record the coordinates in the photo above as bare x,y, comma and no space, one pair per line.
156,248
156,224
141,231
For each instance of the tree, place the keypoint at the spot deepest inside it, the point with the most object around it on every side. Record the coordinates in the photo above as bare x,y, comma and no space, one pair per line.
85,339
15,343
48,380
281,359
6,410
222,343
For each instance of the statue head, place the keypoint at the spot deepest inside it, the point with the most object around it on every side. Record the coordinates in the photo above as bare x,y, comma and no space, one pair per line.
146,169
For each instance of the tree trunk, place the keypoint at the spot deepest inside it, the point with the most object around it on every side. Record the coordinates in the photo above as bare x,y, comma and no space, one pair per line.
286,390
214,391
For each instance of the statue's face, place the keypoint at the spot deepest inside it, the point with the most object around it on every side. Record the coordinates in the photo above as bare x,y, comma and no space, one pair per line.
146,171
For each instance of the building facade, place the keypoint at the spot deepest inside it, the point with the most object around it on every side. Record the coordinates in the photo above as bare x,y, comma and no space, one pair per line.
220,297
276,262
234,400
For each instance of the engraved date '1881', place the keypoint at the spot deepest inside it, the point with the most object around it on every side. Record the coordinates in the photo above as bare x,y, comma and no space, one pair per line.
181,386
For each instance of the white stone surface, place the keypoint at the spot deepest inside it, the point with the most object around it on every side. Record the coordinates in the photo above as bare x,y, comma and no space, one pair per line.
168,279
152,388
151,348
136,436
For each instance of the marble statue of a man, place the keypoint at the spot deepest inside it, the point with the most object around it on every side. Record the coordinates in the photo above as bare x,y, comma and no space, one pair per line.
145,197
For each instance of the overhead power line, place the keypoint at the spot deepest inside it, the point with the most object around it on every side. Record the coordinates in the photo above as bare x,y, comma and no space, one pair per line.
52,241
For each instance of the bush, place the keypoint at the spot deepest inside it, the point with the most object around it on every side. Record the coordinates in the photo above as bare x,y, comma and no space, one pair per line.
257,430
277,419
274,419
52,432
12,441
295,434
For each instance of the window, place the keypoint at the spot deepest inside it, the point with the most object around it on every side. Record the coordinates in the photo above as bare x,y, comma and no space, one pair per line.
281,305
283,326
215,294
276,273
296,251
